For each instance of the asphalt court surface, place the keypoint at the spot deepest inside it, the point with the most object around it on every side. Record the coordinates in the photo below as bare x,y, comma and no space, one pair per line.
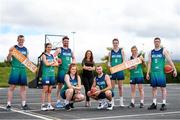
91,113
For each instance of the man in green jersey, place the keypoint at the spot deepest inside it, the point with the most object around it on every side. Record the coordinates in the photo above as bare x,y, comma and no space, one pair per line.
156,64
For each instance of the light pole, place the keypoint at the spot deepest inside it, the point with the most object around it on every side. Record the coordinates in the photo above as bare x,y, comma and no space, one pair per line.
73,33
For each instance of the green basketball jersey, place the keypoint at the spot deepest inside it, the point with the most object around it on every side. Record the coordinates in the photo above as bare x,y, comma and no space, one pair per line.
116,57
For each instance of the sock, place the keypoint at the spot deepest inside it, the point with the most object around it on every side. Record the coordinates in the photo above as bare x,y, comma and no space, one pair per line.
23,103
142,101
9,103
121,101
66,102
164,101
132,100
155,101
112,101
58,101
49,104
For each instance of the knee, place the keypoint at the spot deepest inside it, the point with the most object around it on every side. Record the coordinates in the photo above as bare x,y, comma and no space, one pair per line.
80,97
108,93
70,91
12,88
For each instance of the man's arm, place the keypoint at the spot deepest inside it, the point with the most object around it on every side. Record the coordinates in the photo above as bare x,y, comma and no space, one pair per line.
166,53
73,58
148,67
10,54
108,82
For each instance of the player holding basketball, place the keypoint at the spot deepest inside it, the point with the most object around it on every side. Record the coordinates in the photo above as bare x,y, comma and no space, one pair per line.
157,76
103,81
18,74
116,56
136,77
71,90
67,56
48,77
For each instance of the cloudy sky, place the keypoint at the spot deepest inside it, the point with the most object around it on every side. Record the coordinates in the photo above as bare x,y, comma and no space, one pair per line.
96,23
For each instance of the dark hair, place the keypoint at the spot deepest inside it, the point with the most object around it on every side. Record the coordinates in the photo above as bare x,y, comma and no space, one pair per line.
157,38
115,39
70,66
46,46
91,58
65,37
133,47
20,36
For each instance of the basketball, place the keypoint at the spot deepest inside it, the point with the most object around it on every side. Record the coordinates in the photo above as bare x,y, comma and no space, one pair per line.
168,69
59,61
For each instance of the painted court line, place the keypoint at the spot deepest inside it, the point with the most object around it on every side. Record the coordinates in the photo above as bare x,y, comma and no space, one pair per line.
44,117
137,115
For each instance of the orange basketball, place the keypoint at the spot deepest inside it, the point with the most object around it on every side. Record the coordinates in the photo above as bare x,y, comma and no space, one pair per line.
168,69
59,61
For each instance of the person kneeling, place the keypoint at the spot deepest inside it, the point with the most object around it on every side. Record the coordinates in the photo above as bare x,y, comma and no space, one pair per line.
71,90
104,83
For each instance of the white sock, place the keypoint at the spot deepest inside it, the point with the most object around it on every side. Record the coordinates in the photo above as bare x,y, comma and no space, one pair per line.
121,101
112,101
23,103
132,100
155,101
142,101
66,102
49,104
164,101
42,104
58,101
9,103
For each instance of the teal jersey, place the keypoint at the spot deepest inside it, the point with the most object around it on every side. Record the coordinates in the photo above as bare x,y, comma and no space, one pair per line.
116,57
100,82
48,70
74,82
137,72
157,60
66,57
15,62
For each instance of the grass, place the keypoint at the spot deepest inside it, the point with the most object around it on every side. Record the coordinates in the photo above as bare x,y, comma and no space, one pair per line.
5,71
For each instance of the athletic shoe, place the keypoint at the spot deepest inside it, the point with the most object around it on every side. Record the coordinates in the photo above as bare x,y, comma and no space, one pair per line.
102,104
25,107
67,107
8,107
59,105
110,106
50,107
132,105
141,105
43,107
71,105
163,107
152,107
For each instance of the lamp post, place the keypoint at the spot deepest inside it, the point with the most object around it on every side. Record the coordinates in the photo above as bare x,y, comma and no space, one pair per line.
73,33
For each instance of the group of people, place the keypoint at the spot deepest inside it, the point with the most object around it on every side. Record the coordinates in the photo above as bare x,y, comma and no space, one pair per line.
69,82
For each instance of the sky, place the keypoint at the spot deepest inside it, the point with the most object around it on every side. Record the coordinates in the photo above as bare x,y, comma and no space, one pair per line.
95,23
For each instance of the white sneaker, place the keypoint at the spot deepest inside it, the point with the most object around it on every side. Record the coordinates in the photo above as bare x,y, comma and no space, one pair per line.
43,107
50,107
102,104
110,106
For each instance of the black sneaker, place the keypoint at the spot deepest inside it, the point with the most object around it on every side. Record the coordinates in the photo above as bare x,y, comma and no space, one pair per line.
25,107
8,107
71,105
141,105
163,107
67,107
132,105
152,107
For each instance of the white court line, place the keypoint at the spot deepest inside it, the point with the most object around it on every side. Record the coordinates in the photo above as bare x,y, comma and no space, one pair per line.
137,115
44,117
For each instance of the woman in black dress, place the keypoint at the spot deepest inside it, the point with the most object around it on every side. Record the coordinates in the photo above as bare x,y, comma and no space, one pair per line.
87,76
